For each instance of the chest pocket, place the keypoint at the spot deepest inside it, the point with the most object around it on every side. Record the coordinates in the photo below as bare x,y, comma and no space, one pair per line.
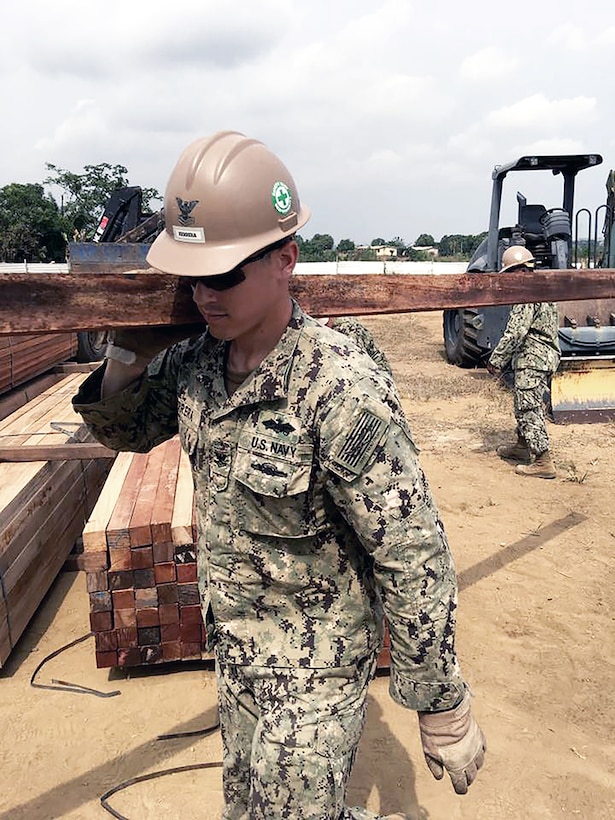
272,471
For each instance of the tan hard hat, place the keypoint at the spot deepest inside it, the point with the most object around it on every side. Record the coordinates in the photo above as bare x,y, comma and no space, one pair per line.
515,257
228,197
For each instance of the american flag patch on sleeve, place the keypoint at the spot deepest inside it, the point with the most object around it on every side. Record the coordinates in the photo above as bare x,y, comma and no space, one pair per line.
356,448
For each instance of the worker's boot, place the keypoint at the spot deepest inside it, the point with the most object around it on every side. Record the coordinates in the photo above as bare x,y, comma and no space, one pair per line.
542,467
518,452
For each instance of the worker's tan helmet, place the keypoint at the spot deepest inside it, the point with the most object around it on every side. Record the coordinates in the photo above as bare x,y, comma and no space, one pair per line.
228,197
515,257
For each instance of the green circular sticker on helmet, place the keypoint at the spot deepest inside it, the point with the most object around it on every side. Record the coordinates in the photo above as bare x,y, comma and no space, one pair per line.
281,197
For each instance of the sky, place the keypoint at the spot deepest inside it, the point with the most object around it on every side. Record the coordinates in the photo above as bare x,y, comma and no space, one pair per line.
390,116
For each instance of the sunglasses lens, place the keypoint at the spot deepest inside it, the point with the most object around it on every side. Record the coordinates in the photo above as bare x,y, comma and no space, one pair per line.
223,282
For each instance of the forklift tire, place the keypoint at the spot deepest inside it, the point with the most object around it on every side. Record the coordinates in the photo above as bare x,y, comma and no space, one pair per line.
91,345
460,337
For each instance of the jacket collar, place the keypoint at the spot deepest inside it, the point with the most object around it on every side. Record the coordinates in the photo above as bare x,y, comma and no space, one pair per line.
269,381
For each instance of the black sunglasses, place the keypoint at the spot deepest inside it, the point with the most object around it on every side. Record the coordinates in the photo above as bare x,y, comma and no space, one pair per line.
226,281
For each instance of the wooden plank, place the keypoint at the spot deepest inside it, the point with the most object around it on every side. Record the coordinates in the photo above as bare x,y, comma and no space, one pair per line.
68,497
183,529
19,481
18,397
127,493
140,521
43,506
164,502
94,535
31,302
24,357
17,530
30,588
55,452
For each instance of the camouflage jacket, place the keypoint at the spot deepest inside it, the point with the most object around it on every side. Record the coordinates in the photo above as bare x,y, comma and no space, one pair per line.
530,339
313,511
362,337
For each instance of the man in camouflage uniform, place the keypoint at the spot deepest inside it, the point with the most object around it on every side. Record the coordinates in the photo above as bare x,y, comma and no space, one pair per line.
314,515
362,336
530,345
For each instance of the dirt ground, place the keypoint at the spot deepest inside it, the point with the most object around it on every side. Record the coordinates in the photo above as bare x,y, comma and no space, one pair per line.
535,637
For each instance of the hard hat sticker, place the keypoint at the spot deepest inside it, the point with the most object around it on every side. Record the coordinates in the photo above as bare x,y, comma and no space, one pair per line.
188,234
185,209
281,197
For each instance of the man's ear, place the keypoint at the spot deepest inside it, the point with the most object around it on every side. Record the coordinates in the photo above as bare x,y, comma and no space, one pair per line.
288,256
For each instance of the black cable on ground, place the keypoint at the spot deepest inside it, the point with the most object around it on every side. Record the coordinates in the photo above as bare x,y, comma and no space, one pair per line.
66,686
176,770
196,733
144,777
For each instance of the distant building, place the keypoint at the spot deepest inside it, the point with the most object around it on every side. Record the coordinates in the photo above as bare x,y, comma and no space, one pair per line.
425,249
380,251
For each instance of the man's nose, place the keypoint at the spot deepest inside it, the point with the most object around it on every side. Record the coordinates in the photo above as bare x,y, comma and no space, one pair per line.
201,294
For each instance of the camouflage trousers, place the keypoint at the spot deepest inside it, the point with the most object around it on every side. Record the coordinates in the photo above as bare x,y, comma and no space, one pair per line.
529,392
290,737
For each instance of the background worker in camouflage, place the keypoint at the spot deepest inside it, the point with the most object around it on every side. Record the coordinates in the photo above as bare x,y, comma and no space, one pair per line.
314,515
530,345
363,337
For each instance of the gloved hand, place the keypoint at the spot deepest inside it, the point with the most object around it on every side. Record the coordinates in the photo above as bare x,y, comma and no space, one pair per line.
452,740
138,345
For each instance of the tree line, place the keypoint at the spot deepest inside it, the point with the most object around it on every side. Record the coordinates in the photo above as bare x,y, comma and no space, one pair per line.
454,247
36,227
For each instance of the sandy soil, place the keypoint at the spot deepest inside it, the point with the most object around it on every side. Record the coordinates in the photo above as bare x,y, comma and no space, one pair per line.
535,638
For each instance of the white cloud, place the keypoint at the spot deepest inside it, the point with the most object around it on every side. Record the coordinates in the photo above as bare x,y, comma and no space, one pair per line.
386,114
84,122
569,37
606,37
538,111
490,64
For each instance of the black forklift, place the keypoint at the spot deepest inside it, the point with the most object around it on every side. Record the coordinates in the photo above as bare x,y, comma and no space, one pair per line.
584,387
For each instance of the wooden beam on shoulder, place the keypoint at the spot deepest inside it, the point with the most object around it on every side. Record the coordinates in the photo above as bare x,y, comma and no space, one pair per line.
59,302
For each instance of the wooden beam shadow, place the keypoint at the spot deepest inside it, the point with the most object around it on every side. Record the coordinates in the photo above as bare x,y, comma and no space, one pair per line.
513,552
67,797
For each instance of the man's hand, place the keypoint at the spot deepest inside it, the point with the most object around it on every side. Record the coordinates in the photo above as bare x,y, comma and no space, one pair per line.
137,346
495,371
452,740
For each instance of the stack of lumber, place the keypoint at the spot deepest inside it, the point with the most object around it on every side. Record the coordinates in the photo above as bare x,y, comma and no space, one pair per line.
43,504
139,553
24,357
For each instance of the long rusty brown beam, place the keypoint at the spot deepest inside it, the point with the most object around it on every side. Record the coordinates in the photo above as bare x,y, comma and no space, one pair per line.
43,302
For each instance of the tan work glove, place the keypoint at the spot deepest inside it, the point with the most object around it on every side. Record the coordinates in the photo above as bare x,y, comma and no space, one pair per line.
452,740
138,345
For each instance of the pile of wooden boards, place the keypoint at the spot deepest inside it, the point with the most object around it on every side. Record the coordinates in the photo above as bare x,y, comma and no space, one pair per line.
139,553
24,357
43,504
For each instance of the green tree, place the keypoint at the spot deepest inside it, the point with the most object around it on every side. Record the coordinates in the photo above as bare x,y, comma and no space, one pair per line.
345,246
320,248
460,246
378,241
31,227
425,240
85,195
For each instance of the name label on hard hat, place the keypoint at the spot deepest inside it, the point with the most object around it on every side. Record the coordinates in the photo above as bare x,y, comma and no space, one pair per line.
188,234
